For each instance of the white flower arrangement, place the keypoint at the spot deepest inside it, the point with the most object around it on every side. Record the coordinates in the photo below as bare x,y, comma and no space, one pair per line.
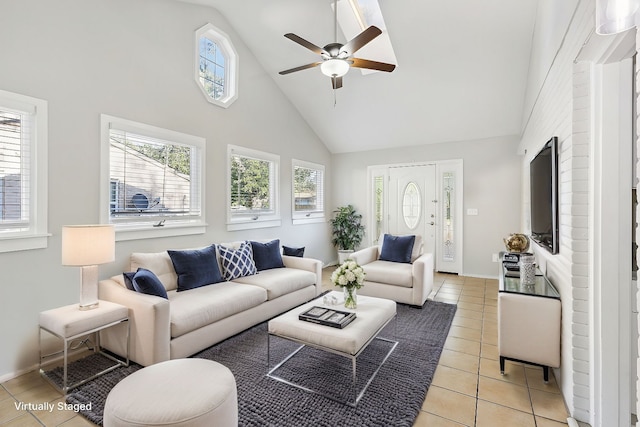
348,275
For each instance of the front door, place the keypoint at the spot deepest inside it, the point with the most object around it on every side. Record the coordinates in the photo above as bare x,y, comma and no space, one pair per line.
412,202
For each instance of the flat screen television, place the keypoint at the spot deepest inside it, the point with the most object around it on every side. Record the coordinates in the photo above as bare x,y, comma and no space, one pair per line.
544,196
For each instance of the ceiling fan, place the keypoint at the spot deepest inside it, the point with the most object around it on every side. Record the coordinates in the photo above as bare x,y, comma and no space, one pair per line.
338,58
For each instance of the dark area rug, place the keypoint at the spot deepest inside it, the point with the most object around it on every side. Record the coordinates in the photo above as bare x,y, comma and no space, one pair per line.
393,398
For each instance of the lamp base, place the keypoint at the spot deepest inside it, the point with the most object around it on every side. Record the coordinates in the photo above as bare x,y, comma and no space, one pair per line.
89,288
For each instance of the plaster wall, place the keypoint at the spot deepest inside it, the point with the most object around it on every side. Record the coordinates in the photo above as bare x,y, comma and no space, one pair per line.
134,60
491,185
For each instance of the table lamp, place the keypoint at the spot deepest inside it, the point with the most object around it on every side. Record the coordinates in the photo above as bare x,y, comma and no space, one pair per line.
87,246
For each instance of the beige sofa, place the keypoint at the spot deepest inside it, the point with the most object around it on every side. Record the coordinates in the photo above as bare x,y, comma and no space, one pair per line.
408,283
192,320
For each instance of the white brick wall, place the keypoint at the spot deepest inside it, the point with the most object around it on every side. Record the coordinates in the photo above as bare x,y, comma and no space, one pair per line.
563,109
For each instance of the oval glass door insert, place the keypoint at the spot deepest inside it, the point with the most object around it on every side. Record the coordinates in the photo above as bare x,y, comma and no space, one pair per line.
411,205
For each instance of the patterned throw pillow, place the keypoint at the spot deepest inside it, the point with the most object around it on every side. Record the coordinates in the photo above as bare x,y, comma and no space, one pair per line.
237,262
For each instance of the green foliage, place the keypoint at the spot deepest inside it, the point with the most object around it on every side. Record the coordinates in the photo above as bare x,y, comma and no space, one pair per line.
176,157
305,185
348,231
305,180
250,183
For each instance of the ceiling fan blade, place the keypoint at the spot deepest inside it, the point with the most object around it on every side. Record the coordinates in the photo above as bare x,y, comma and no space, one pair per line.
300,68
302,42
372,65
360,40
336,82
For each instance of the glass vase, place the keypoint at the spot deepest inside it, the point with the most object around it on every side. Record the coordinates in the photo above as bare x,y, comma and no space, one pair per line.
350,297
527,269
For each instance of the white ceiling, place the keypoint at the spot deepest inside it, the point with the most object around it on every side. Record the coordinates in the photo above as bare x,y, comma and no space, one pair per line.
461,73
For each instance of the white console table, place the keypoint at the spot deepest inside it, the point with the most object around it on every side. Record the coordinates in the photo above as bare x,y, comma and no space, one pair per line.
529,325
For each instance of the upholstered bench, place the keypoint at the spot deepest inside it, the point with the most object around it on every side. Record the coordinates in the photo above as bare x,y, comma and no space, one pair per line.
180,392
373,315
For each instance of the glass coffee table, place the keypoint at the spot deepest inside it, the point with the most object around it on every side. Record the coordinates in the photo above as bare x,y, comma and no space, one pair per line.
311,356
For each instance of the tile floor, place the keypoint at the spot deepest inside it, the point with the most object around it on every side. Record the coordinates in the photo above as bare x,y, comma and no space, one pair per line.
467,388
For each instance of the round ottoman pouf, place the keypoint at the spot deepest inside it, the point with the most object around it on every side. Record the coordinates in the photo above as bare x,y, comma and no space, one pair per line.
181,392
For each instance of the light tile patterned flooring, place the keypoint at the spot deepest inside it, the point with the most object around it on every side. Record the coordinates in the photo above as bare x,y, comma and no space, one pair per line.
467,389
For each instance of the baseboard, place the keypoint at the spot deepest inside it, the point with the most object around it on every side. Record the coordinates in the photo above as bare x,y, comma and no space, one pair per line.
479,276
72,355
11,375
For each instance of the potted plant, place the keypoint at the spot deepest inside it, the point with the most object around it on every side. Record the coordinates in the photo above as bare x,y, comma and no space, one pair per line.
348,231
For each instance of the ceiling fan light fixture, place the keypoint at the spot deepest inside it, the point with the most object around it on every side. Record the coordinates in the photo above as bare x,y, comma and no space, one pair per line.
334,67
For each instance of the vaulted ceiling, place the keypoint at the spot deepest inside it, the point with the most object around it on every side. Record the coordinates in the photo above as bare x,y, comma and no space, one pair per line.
461,72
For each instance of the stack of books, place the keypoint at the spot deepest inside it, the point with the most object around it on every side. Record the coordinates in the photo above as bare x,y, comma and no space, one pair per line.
327,316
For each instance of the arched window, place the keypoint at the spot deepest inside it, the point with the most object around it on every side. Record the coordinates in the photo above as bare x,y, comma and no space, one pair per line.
216,66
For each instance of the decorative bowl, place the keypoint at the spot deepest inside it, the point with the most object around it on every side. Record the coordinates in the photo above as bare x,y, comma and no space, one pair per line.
516,242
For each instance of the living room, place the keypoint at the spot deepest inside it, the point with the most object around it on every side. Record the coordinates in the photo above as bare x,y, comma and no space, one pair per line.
134,61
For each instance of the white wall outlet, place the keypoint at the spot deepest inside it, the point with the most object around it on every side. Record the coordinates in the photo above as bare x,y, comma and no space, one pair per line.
494,257
472,211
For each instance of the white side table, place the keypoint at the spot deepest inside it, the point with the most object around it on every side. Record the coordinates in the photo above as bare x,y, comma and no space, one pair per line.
68,323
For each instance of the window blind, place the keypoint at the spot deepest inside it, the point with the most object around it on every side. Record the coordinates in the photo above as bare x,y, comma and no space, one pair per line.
15,168
152,178
308,188
252,182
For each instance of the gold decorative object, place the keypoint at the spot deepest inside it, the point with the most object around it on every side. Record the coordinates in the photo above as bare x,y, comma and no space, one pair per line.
516,242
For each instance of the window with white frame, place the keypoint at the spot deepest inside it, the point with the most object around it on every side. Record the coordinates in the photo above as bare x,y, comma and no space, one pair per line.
308,192
252,200
23,172
152,178
216,66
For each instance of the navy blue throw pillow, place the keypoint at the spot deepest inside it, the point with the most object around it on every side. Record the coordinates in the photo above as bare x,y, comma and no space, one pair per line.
299,252
267,255
128,280
145,282
397,248
196,267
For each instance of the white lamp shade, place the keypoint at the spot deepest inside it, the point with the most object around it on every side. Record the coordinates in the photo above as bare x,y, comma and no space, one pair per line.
334,67
88,244
615,16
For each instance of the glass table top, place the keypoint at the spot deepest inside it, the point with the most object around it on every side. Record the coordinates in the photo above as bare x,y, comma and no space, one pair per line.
542,287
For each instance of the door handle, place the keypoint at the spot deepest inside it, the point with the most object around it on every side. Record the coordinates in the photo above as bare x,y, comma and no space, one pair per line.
432,223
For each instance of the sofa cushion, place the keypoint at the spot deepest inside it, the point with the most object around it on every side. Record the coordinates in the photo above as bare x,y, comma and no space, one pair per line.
161,265
280,281
237,262
145,282
392,273
267,255
196,267
397,248
202,306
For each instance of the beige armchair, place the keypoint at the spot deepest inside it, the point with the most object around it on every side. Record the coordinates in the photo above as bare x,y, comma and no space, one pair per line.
408,283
